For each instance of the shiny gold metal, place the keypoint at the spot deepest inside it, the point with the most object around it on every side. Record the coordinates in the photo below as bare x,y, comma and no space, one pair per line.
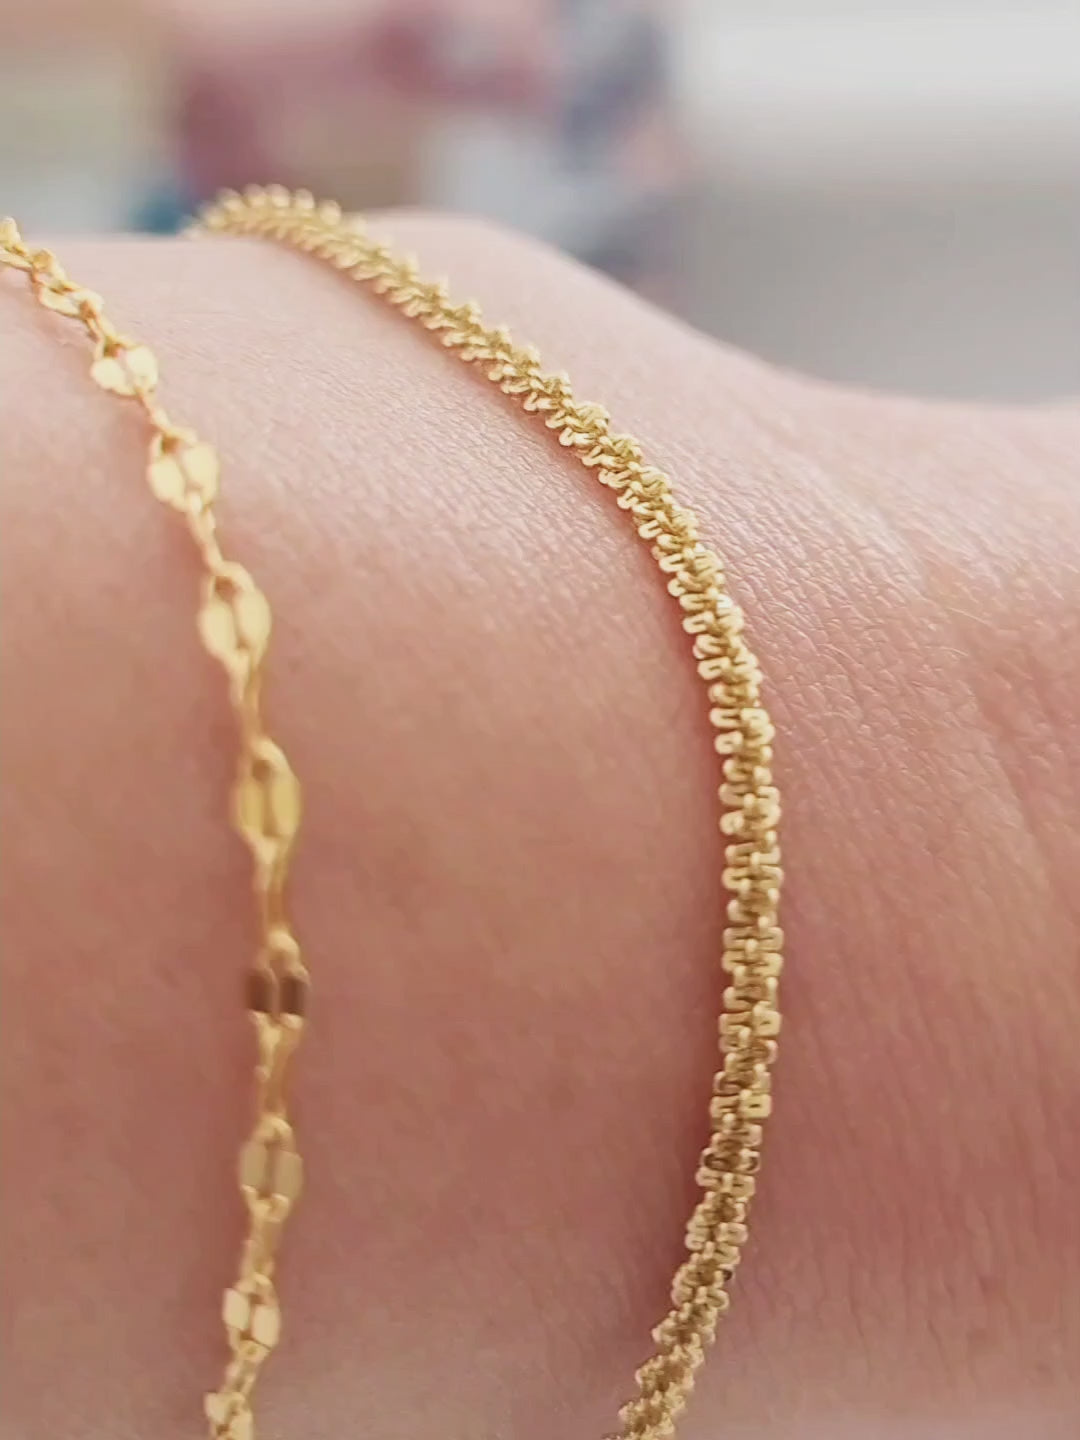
750,1023
234,623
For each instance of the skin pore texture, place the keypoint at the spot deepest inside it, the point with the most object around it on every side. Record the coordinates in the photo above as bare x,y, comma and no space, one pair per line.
508,878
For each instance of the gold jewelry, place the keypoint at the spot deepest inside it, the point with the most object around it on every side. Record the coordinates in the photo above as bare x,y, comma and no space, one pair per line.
750,1022
234,623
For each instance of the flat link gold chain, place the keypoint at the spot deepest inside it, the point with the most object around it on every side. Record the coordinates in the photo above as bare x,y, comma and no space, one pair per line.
234,624
750,1022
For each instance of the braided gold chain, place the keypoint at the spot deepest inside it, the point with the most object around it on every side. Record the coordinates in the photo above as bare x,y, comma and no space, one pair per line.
750,1022
234,624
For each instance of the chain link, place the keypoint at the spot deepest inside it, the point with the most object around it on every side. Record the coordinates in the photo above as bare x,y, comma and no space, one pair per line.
234,624
750,1023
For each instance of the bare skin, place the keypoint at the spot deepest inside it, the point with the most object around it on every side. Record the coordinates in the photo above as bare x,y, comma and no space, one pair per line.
508,883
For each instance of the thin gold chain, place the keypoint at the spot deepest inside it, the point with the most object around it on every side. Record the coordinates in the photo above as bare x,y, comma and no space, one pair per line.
750,1022
234,624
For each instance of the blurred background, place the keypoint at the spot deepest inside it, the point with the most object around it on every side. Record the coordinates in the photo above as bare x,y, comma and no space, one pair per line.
885,192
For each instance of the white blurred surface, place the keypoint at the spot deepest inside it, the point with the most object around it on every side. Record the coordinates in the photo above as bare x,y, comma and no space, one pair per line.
891,191
881,86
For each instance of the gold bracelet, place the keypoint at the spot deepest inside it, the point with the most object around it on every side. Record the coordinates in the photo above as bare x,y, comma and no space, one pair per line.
750,1022
234,623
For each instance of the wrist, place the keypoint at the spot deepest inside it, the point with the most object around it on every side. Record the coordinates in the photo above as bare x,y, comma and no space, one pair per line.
510,868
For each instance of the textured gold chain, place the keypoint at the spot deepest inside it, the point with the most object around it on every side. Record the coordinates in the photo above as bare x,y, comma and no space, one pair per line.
750,1023
234,623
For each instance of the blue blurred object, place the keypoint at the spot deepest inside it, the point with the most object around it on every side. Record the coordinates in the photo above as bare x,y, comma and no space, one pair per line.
164,210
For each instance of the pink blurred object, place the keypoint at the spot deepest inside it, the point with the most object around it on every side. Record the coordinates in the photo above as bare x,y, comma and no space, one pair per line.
551,116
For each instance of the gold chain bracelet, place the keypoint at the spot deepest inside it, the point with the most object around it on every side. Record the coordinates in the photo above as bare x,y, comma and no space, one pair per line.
750,1023
234,623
